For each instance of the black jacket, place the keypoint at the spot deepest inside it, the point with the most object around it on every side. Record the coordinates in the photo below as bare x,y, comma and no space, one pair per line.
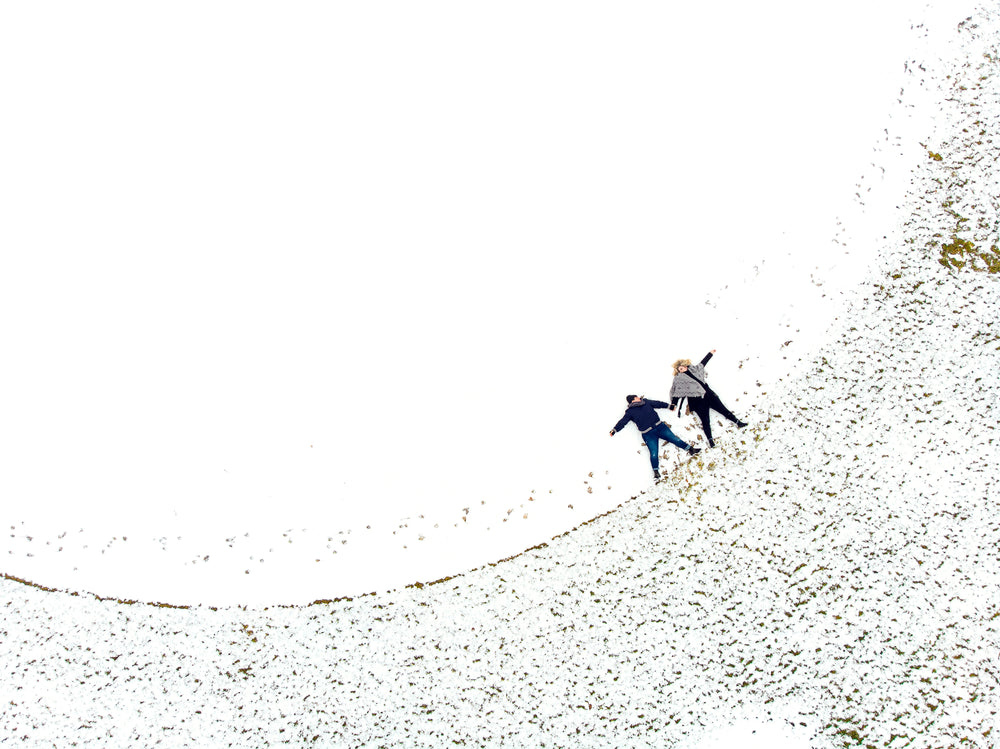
641,413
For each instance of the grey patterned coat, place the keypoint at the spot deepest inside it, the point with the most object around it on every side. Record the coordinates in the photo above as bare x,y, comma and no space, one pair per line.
687,387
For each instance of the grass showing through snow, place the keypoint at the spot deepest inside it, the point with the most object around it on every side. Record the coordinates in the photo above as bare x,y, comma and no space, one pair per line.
831,569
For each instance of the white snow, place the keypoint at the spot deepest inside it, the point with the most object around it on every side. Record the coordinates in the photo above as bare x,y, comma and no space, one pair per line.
826,577
371,292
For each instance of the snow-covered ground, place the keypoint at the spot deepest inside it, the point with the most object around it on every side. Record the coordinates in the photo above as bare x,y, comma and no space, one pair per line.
825,578
306,305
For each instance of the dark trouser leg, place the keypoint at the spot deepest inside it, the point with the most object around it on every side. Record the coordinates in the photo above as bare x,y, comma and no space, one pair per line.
652,439
701,409
712,401
653,445
663,432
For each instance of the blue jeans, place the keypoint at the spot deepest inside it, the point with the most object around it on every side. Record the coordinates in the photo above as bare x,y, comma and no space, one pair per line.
652,439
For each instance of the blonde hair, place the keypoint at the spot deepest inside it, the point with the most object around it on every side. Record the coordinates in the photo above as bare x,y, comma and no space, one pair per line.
681,363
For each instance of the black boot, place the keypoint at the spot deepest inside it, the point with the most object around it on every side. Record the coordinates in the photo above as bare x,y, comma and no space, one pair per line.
692,450
740,424
656,474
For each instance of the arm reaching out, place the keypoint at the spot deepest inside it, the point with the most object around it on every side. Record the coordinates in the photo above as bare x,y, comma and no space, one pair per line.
620,425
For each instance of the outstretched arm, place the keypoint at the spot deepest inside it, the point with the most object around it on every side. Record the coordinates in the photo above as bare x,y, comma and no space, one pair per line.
620,425
657,404
707,357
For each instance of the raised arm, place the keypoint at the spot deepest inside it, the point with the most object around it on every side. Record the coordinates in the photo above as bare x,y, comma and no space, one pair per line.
707,357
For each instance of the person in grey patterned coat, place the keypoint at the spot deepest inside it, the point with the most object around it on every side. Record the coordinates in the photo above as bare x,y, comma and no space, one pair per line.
690,381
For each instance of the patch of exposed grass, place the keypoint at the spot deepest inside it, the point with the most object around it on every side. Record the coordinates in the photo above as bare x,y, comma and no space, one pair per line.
960,253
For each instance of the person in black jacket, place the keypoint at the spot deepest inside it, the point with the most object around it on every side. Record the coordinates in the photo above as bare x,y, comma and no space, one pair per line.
690,381
643,414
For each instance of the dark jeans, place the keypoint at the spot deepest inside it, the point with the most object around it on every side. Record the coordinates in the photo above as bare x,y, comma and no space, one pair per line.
652,439
704,406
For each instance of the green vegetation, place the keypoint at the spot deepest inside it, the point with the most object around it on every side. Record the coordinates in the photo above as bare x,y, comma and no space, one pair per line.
961,252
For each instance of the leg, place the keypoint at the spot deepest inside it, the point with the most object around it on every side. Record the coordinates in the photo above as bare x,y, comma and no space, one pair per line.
663,432
701,408
653,445
712,401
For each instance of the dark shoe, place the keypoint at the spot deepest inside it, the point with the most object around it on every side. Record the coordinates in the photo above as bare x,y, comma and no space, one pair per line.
740,424
692,450
711,443
656,475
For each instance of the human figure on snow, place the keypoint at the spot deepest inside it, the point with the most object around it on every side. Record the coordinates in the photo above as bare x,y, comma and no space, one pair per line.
690,382
643,414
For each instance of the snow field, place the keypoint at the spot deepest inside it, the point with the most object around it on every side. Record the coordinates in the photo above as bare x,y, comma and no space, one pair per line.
827,576
194,337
